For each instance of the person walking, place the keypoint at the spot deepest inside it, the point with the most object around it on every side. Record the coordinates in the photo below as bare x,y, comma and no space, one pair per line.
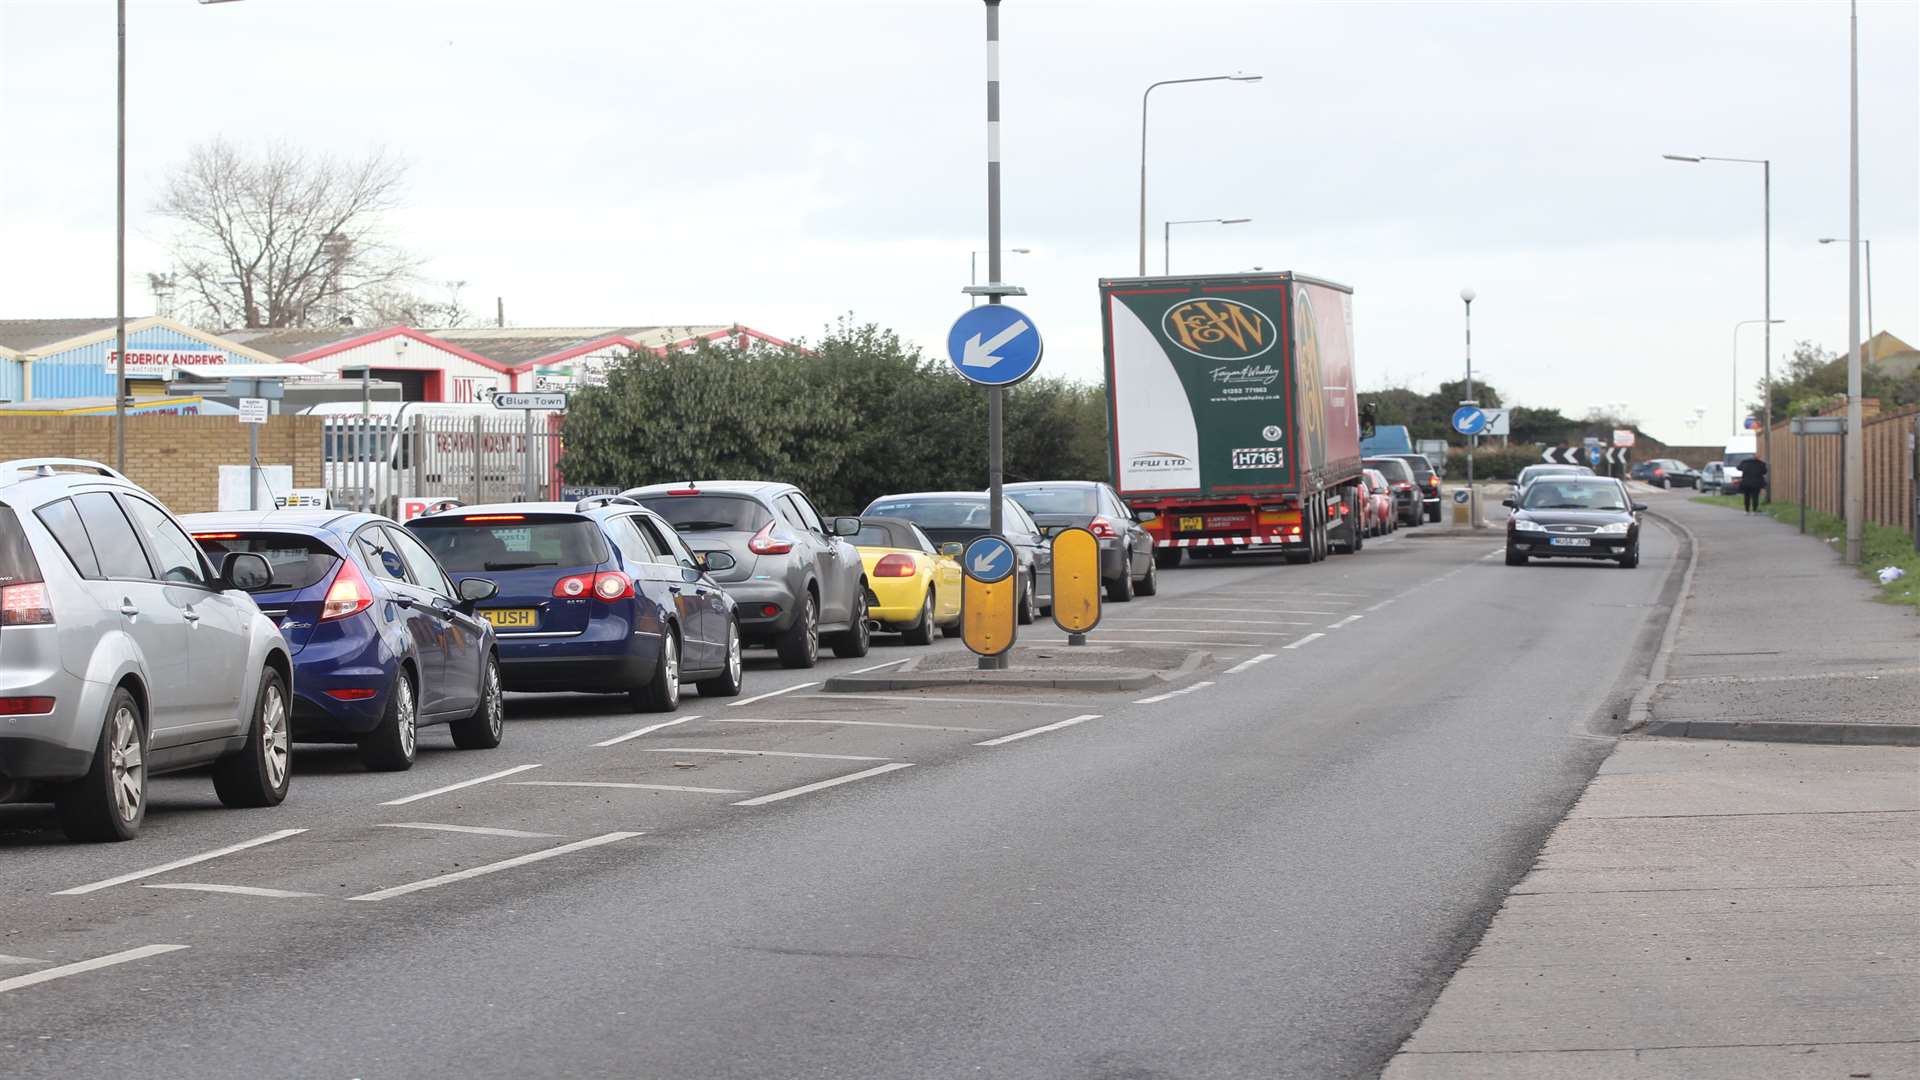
1753,480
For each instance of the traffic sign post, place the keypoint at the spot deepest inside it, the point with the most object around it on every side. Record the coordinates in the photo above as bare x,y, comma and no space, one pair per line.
989,595
1076,583
1469,420
528,403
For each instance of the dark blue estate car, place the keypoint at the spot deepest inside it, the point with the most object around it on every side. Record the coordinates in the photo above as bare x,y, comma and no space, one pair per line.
383,640
600,596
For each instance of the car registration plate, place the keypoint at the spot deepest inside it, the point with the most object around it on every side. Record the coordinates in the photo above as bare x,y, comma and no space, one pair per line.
1192,523
511,618
1572,541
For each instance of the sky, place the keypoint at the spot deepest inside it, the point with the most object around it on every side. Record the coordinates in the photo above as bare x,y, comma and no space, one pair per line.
777,164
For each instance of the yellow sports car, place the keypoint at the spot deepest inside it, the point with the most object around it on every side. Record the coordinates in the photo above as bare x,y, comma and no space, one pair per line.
915,586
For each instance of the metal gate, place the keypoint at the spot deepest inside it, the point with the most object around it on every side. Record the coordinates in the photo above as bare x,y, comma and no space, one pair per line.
376,465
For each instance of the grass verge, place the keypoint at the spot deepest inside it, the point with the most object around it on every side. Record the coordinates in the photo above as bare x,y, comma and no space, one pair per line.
1880,546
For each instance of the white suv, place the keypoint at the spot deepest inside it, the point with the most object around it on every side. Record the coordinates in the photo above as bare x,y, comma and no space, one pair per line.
124,654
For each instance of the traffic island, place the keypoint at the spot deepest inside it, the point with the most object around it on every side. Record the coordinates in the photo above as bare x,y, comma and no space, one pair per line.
1054,666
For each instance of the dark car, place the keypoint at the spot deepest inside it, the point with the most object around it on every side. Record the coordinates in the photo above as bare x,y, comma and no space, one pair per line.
1666,473
795,576
383,641
1577,517
963,516
600,596
1126,548
1407,502
1426,480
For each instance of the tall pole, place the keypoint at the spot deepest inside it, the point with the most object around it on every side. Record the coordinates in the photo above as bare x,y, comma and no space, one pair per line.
996,395
1766,311
1867,246
120,253
1144,95
1473,441
973,275
1854,457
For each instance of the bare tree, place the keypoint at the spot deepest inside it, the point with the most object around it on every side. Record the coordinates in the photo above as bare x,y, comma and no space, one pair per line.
403,307
284,238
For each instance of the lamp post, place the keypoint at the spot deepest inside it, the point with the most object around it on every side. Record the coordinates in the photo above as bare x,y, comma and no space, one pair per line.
1766,309
1867,247
973,269
1143,146
1166,235
1473,441
1735,418
1854,449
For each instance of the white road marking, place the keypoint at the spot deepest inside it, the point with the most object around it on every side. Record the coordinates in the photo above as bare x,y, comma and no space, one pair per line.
754,753
1041,730
959,700
458,786
1202,630
1100,639
644,787
495,867
648,730
1244,610
233,890
178,863
823,784
4,959
1308,640
471,830
1245,664
20,982
852,723
771,693
877,667
1230,622
1380,605
1346,621
1173,693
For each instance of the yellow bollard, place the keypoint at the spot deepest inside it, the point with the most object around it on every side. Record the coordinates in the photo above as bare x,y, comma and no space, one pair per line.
1076,583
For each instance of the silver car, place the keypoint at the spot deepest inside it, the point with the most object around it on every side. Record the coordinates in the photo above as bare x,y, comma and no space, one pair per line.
124,654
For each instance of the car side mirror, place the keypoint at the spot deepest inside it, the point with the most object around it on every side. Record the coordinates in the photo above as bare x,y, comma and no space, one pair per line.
1509,503
846,526
953,549
1145,515
1639,507
475,589
1368,414
714,560
247,571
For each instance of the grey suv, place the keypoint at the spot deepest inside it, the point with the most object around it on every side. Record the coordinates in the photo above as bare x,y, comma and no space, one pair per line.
124,654
795,577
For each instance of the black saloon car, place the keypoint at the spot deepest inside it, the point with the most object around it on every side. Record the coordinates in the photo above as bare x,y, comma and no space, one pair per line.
1578,517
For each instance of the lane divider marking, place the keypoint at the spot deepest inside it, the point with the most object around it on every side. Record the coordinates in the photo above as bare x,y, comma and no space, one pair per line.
610,784
178,863
233,890
458,786
20,982
5,959
772,693
1173,693
1251,661
853,723
823,784
648,730
471,830
1041,730
755,753
1308,640
877,667
495,867
1346,621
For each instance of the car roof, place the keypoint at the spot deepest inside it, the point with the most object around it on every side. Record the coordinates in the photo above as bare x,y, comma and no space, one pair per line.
768,488
981,495
1040,485
308,521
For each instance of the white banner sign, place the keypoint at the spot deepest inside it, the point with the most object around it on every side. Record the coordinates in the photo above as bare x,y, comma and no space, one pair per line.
530,401
253,410
160,363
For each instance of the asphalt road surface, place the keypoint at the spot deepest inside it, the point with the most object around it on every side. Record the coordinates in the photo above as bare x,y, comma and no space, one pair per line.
1267,874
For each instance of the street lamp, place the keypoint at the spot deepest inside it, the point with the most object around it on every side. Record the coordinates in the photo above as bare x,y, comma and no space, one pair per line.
1143,146
1766,309
1166,235
1867,245
973,269
1735,418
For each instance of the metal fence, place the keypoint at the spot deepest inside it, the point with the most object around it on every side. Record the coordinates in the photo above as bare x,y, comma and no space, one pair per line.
375,464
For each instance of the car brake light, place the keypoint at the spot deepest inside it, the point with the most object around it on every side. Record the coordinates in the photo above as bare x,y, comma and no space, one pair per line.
769,610
771,540
574,587
471,518
1659,472
1103,529
612,585
686,491
25,706
352,694
216,536
1433,482
348,595
894,566
25,604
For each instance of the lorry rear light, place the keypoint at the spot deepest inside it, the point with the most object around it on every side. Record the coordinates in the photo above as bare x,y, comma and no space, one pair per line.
25,706
25,604
771,540
893,566
348,595
1278,516
1103,529
612,585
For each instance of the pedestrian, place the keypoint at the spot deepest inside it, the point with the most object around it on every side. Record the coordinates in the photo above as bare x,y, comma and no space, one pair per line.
1753,480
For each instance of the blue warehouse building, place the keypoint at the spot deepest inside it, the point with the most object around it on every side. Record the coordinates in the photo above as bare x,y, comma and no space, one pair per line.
57,359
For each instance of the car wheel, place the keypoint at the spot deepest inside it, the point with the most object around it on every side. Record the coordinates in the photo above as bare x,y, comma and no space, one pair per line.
391,746
853,643
1516,558
110,801
260,772
1666,483
921,632
488,724
662,691
1433,514
1166,558
1149,585
799,644
953,629
1632,557
728,682
1120,589
1029,611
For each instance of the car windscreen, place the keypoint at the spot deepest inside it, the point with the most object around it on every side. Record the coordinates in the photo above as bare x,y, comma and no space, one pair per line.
1075,500
1393,469
17,563
709,513
298,562
478,543
1550,494
949,513
1421,467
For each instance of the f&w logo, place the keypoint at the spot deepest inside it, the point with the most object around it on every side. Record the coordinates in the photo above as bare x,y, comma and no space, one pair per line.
1219,329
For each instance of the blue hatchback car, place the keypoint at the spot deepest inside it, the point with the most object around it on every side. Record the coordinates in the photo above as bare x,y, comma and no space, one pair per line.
383,640
599,596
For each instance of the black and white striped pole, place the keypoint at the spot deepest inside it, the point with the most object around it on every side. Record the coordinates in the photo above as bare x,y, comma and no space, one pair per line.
995,395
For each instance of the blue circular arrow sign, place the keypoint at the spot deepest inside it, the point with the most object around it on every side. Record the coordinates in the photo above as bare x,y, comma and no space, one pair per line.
1469,420
994,345
988,559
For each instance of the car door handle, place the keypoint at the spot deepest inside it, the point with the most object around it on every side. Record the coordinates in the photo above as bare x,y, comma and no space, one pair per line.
127,609
402,599
190,615
673,588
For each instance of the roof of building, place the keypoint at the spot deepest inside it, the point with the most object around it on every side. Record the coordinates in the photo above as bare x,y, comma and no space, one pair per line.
24,334
517,346
286,342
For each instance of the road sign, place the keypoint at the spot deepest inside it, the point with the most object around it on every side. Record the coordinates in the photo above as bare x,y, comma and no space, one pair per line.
1751,423
1076,582
1594,455
1623,436
989,595
1591,440
1498,422
530,401
989,559
1561,455
253,410
1617,456
994,345
1469,420
1461,495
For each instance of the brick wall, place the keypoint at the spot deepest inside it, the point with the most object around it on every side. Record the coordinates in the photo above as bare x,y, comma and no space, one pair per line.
1889,468
178,458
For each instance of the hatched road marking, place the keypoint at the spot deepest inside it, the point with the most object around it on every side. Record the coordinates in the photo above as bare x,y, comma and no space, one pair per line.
458,786
641,787
1308,640
1251,661
1173,693
471,830
496,867
756,753
178,863
232,890
20,982
852,723
648,730
823,784
772,693
1041,730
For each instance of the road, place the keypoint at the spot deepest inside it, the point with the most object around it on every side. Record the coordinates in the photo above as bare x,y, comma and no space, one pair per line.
1269,874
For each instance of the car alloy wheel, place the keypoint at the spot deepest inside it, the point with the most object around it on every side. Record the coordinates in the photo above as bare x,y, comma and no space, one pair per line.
670,669
405,716
496,705
734,663
276,747
812,616
128,765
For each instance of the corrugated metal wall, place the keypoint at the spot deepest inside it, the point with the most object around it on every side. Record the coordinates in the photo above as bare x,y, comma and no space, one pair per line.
82,372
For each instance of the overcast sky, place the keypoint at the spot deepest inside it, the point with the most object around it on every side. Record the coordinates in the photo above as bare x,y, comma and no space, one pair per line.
779,164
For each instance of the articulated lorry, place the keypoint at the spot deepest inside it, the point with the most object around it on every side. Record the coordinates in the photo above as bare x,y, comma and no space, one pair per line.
1232,416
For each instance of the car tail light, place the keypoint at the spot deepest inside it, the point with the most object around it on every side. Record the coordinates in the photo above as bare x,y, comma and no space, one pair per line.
1434,482
25,706
686,491
354,693
1401,485
894,566
216,536
483,518
1102,528
771,540
348,595
573,587
612,585
768,611
1659,472
25,604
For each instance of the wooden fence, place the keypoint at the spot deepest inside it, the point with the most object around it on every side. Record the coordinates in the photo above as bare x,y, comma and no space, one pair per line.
1888,450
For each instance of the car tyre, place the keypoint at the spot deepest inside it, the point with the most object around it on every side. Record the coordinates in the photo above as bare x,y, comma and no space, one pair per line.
488,725
1166,558
260,772
1120,589
110,801
1666,483
921,632
1631,558
1516,558
1029,611
731,677
662,691
1149,585
855,641
391,747
799,644
1433,514
953,629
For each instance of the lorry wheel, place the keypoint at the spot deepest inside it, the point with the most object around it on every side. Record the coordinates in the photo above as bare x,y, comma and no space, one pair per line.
1166,558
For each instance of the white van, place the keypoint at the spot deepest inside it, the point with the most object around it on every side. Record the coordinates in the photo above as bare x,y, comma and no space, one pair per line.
397,457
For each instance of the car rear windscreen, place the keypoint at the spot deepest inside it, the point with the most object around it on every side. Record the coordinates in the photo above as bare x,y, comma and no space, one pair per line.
1420,466
1395,470
17,563
480,543
298,562
1056,500
936,513
709,513
884,536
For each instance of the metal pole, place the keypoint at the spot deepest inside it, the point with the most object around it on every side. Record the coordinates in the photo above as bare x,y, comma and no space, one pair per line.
1766,311
1473,441
1143,177
120,254
1800,441
973,276
995,395
1853,471
529,456
1868,245
253,466
1166,248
